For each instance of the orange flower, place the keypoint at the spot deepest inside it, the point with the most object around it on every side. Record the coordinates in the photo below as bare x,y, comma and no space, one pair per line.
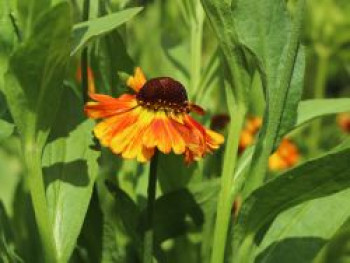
157,116
91,79
344,122
286,156
251,128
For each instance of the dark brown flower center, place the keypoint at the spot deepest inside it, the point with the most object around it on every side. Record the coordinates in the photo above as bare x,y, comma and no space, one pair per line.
164,94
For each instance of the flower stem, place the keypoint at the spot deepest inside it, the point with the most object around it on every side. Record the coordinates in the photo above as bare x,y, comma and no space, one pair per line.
84,57
37,192
151,192
225,197
196,46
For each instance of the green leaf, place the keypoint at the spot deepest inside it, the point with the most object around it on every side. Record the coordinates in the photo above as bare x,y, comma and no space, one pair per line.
173,173
273,37
298,234
70,170
290,111
268,35
29,11
220,15
86,31
7,253
337,250
6,129
36,70
7,40
170,219
313,179
311,109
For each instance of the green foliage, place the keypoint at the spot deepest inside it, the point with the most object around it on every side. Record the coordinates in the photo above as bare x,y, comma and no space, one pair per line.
33,90
70,169
313,179
87,31
311,109
66,198
300,233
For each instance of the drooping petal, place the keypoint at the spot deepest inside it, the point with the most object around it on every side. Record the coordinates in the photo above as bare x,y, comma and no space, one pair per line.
105,106
114,125
137,81
128,142
157,135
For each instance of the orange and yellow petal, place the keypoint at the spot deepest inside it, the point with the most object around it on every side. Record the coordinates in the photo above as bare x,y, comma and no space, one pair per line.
276,162
162,134
105,106
137,81
286,156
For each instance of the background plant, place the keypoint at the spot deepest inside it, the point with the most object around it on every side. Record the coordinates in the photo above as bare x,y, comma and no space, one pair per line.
63,198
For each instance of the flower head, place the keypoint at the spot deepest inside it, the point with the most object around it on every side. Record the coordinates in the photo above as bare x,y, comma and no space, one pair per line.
156,116
286,156
344,122
251,128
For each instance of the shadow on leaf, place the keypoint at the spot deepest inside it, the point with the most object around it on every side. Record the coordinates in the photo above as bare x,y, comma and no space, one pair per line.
291,250
75,173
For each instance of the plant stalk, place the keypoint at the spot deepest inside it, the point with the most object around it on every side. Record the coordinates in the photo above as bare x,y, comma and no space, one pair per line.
32,160
151,192
196,47
319,92
227,179
84,58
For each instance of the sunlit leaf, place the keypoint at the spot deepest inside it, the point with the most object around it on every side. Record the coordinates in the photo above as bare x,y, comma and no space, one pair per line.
34,86
313,179
337,250
311,109
87,31
70,170
298,234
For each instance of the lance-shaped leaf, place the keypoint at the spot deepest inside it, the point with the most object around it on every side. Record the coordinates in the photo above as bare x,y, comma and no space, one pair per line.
298,234
89,30
273,37
70,170
36,70
316,178
29,11
337,250
311,109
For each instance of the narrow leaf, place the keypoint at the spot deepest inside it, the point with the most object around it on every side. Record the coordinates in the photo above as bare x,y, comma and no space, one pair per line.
86,31
33,86
316,178
311,109
70,170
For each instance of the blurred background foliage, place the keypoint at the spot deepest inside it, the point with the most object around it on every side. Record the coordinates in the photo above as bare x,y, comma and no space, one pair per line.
163,41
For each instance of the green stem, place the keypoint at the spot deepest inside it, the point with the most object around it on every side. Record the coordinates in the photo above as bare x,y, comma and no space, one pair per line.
196,47
84,57
151,192
225,197
319,92
37,191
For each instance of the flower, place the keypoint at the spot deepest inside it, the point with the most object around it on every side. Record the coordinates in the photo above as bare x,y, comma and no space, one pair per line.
286,156
251,128
91,79
343,121
157,116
